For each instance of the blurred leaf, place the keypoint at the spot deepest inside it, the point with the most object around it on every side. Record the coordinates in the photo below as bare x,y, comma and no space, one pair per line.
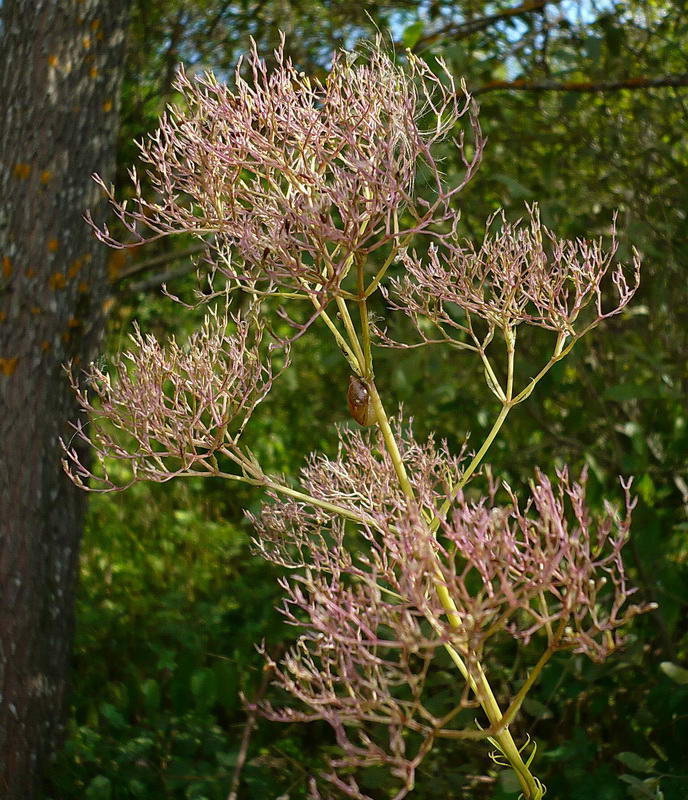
636,762
508,781
151,694
412,33
516,189
537,709
100,788
204,687
677,674
112,715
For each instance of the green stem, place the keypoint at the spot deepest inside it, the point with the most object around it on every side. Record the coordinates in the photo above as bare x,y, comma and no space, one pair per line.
365,324
341,341
531,789
481,687
471,468
516,703
390,441
351,331
268,483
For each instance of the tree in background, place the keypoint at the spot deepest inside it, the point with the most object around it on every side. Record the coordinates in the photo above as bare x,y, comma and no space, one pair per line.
60,70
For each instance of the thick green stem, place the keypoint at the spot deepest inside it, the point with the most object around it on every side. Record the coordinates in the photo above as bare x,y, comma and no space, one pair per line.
390,441
481,687
532,790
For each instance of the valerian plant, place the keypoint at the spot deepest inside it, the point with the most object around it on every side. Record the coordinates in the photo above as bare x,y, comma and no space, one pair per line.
311,191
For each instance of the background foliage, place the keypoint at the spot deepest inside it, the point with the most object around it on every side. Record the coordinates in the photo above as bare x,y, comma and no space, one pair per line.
171,599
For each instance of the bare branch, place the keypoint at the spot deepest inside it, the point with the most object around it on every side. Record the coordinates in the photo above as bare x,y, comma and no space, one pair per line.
461,29
642,82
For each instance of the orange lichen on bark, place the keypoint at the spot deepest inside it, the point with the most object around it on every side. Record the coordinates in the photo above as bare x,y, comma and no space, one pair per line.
46,176
116,262
45,345
107,106
84,287
36,310
6,267
57,280
52,60
93,72
86,42
8,365
74,268
22,170
53,244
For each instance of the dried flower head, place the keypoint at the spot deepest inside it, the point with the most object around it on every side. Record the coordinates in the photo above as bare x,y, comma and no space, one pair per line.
522,273
288,178
292,183
168,410
371,611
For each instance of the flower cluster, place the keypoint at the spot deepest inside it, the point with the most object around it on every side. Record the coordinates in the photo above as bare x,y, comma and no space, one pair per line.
393,561
288,178
372,615
168,410
522,273
361,479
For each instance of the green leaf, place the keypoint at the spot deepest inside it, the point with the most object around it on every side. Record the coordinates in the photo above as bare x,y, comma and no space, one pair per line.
677,674
227,760
647,789
99,788
509,782
536,709
636,762
151,694
517,190
412,33
204,687
646,489
631,391
112,715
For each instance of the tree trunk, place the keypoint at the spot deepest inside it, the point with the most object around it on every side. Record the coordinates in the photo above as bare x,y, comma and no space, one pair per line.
60,68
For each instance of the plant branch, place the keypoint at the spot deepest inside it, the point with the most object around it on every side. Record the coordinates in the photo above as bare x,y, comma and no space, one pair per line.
461,29
160,260
280,488
523,85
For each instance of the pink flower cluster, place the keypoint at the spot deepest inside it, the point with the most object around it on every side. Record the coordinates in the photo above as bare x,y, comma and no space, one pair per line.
372,618
166,411
522,273
293,183
286,177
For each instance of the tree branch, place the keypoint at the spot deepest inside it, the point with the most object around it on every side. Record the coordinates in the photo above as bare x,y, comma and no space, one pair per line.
461,29
523,85
156,261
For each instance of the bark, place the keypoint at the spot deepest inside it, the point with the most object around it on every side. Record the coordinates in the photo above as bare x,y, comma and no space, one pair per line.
60,68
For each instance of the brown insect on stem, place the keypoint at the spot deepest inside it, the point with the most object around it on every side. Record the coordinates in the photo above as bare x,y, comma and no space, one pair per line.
360,402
